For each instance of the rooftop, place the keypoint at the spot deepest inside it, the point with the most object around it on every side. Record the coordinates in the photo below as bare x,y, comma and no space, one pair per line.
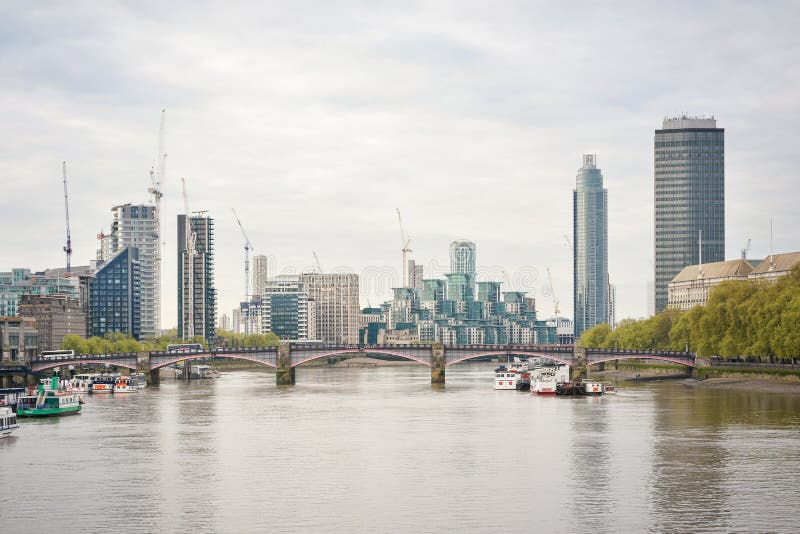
783,262
688,121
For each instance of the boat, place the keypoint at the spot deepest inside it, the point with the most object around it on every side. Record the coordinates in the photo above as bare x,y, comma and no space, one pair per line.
50,402
81,383
523,382
103,384
138,380
609,388
585,387
8,422
590,387
506,379
123,384
546,383
9,396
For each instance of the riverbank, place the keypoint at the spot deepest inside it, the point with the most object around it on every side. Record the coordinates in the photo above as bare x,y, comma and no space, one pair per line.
761,385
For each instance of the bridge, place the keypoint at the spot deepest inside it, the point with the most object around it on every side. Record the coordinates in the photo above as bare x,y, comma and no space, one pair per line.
288,356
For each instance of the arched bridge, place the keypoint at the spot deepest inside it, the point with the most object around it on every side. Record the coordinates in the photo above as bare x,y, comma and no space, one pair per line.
286,357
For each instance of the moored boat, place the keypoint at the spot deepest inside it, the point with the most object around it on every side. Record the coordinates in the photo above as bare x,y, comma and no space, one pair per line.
8,422
505,379
102,384
123,384
523,382
590,387
50,402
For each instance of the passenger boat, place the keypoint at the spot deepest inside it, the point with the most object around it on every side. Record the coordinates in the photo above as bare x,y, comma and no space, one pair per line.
138,380
9,396
523,382
50,402
8,422
123,384
506,379
81,383
103,384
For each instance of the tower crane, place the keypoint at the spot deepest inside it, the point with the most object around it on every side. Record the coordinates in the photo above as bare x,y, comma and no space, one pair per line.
68,246
553,294
157,174
316,262
247,248
188,258
405,247
746,249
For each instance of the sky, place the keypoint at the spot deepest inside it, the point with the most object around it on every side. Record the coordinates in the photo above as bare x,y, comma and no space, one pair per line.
316,120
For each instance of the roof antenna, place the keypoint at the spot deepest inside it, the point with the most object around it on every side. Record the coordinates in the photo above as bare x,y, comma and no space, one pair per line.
771,257
700,247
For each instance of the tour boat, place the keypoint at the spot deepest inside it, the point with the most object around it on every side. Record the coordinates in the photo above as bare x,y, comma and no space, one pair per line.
8,422
506,379
48,402
81,383
103,384
138,380
546,381
123,384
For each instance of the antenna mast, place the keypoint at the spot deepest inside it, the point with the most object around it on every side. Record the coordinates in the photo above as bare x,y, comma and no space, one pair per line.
68,247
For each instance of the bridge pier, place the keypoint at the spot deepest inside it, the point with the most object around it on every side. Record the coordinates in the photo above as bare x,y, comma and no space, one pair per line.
437,364
578,371
284,372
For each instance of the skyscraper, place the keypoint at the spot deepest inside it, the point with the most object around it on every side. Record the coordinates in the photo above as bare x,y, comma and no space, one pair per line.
197,296
590,243
137,226
115,296
689,197
259,274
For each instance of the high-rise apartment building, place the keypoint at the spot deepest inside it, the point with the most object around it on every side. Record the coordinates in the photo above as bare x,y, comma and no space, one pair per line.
285,308
689,198
416,273
462,257
259,274
137,226
590,244
197,297
115,296
335,298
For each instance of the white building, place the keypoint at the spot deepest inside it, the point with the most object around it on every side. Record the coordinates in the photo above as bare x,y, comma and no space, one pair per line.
336,305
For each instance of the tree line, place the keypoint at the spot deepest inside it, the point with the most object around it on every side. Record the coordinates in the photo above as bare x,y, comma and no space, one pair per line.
122,342
742,319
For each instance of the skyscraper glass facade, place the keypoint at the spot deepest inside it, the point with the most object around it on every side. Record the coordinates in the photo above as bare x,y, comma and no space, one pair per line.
590,242
689,198
285,308
462,257
196,292
115,296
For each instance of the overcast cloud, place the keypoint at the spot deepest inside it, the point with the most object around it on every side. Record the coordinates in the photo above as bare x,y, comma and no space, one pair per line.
315,120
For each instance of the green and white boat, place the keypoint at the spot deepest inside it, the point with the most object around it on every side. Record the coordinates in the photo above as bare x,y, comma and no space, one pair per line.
48,402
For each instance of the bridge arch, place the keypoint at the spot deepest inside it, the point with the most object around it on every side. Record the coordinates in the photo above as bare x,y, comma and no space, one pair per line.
231,356
665,358
509,353
364,351
37,367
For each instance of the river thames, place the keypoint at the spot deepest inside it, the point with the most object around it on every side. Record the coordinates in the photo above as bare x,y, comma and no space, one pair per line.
381,450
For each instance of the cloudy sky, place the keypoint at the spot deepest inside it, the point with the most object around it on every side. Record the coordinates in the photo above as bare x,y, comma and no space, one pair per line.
315,120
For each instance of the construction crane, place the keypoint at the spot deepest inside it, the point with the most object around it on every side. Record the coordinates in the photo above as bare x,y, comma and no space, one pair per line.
68,247
188,257
405,247
553,294
157,174
746,249
316,262
248,246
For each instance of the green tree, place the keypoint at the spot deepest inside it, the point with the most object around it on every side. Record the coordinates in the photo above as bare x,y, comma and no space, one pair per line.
596,336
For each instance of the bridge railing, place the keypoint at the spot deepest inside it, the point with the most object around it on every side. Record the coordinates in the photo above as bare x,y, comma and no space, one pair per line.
641,351
243,350
81,357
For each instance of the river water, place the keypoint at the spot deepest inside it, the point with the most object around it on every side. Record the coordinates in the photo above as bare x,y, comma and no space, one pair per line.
381,450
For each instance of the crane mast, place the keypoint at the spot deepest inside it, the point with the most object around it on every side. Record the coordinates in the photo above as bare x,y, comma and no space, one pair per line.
68,247
188,258
316,262
553,294
404,247
248,246
157,175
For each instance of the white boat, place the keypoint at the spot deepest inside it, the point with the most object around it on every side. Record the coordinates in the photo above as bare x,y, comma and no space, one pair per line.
103,384
138,380
590,387
123,384
546,382
8,422
506,379
80,383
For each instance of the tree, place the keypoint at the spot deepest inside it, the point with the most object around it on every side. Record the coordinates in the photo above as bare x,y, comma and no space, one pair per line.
596,336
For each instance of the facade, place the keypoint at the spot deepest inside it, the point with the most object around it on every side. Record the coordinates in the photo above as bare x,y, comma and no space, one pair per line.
462,257
137,226
590,244
19,340
197,296
689,198
259,274
285,308
416,273
56,316
115,296
336,309
19,281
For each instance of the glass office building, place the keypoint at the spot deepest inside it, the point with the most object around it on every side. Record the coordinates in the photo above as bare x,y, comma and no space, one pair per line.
689,198
590,243
115,294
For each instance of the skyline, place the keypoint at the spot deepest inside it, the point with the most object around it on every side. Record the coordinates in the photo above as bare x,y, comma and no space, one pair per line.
332,121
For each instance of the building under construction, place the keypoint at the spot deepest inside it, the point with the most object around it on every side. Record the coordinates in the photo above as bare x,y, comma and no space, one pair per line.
197,297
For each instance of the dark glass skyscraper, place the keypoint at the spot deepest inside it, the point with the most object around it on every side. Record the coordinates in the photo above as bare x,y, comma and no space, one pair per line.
689,197
590,243
115,295
197,297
